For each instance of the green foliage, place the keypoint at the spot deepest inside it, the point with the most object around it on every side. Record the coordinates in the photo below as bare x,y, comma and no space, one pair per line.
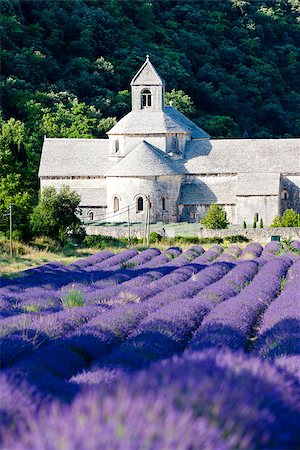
244,224
290,218
102,242
237,238
180,101
276,222
261,223
220,127
72,299
254,221
65,66
55,215
155,237
215,218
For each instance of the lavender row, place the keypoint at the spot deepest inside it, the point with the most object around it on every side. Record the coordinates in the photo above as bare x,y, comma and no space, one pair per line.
165,330
168,329
279,333
231,323
209,400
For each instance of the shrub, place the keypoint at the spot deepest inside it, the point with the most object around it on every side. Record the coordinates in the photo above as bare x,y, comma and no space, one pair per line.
261,223
215,218
56,215
238,238
290,218
155,237
244,224
73,298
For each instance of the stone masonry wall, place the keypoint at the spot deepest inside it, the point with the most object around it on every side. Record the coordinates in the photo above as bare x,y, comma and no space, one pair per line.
258,234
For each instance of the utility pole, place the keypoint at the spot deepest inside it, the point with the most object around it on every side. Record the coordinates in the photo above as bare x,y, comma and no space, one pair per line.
145,225
10,230
148,221
128,221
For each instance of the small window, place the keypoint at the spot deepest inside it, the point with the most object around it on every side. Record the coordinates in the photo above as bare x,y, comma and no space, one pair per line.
164,202
140,204
91,215
146,98
193,215
256,216
175,144
116,146
284,195
116,204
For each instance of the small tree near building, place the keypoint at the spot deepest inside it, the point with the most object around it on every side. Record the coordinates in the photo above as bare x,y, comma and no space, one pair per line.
290,218
215,218
56,215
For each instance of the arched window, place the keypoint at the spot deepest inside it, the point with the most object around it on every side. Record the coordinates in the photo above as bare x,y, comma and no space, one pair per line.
140,204
284,195
91,215
146,98
164,203
116,204
193,215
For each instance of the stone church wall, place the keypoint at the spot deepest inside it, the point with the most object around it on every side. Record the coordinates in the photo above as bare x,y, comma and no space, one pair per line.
129,189
265,207
290,188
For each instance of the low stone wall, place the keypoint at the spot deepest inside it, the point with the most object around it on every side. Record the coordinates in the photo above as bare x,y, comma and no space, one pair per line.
116,232
256,234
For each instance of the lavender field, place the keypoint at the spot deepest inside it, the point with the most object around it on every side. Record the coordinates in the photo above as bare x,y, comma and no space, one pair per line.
154,350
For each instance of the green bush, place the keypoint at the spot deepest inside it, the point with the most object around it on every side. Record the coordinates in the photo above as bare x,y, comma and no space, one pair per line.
290,218
103,242
215,218
72,299
155,237
238,238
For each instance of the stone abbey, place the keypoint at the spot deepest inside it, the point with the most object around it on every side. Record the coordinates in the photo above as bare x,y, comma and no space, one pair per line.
157,153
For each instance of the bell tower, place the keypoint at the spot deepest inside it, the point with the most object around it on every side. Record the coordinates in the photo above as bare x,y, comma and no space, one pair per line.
147,89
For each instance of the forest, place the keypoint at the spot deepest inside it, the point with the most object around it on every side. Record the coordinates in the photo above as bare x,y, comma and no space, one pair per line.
232,66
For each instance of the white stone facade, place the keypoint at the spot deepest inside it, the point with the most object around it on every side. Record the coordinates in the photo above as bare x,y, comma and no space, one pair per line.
157,153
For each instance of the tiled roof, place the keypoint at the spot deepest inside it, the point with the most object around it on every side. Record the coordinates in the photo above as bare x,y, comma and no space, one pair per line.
146,75
206,191
146,121
258,184
74,157
243,155
143,160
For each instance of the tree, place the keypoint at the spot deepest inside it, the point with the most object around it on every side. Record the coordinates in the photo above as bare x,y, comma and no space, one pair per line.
261,223
290,218
56,214
215,218
181,101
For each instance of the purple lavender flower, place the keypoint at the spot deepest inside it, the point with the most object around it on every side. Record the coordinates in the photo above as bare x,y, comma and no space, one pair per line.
231,322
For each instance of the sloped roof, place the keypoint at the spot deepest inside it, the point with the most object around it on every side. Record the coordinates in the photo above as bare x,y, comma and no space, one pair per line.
258,184
143,160
243,155
186,123
146,121
147,75
223,190
74,157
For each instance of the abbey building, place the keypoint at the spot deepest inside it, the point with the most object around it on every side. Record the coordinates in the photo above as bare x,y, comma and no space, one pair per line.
157,154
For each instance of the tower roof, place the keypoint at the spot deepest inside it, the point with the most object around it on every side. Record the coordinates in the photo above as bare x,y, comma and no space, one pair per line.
147,75
144,160
145,122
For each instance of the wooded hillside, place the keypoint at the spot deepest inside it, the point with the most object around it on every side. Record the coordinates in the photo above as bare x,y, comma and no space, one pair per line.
233,66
